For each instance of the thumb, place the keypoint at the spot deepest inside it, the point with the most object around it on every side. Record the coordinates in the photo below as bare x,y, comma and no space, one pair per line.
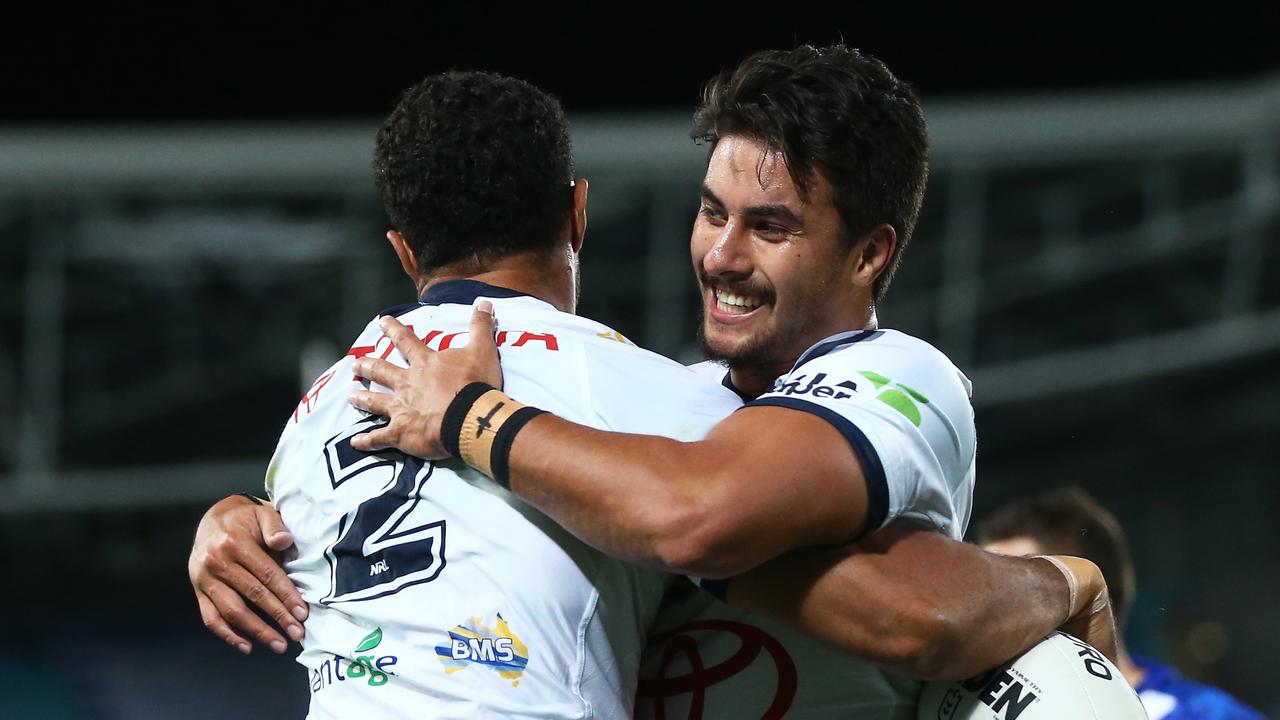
274,533
483,323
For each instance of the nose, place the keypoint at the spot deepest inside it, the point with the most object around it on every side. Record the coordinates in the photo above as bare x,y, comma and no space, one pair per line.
729,257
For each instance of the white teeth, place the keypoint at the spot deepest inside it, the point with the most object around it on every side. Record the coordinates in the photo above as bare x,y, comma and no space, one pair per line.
728,303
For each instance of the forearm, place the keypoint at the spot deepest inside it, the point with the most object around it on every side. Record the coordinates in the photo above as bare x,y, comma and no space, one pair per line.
911,601
646,499
713,508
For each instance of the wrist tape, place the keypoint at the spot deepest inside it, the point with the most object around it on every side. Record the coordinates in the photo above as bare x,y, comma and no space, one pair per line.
1072,583
479,427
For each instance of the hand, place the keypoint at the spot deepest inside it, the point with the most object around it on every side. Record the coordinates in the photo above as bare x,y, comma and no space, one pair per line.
1091,619
423,391
229,562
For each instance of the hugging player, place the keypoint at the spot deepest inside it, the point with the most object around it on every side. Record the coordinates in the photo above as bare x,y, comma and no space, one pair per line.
835,500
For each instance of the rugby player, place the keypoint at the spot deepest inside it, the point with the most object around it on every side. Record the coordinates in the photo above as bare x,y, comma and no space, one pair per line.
815,177
908,598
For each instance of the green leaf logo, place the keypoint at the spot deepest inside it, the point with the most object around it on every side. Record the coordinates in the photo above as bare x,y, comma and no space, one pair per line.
370,641
900,397
876,378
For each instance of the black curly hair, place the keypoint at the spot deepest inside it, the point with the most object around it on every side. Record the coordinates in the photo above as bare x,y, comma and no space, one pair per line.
473,166
834,111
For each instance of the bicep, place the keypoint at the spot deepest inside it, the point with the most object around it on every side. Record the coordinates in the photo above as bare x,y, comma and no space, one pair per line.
786,479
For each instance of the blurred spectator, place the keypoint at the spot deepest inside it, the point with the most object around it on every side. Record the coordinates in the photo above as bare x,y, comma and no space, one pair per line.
1070,522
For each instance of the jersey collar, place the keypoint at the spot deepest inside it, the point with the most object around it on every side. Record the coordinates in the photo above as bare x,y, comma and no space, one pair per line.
824,346
465,292
828,345
727,381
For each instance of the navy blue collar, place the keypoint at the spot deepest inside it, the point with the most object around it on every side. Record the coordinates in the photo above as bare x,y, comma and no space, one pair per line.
833,343
727,381
824,346
464,292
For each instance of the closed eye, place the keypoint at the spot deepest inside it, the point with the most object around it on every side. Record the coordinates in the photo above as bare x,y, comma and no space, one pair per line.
711,213
773,231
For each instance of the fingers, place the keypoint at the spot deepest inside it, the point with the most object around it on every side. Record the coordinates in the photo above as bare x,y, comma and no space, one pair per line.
482,327
254,582
381,371
231,609
375,440
483,344
377,403
274,533
271,575
216,625
405,341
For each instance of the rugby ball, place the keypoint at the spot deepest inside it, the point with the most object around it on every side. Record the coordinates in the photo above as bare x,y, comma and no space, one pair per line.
1062,678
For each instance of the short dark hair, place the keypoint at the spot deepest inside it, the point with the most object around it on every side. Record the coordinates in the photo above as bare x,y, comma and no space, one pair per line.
474,166
1070,522
834,111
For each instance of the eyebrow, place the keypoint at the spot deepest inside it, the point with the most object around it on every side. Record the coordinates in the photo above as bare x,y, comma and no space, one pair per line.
774,211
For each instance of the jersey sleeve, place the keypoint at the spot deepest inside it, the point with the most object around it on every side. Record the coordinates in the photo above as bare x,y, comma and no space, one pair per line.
908,420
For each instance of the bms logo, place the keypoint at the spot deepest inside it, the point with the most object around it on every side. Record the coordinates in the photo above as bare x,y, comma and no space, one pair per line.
474,643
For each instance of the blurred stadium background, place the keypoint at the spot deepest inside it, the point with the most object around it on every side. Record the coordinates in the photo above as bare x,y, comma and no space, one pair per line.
189,233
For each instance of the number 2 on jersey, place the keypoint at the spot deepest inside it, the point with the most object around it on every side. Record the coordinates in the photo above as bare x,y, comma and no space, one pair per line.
379,550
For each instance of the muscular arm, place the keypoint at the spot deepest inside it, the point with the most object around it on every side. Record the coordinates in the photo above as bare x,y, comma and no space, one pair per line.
922,604
765,481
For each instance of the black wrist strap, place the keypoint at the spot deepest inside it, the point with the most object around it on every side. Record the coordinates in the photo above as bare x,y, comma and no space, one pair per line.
500,456
256,500
451,424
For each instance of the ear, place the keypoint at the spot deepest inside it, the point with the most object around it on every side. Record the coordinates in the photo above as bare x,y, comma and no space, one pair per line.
408,260
578,218
877,250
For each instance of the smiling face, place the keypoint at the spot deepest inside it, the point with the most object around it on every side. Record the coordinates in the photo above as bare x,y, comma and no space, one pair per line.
776,273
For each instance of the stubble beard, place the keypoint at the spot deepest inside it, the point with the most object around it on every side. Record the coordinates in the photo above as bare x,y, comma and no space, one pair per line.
764,350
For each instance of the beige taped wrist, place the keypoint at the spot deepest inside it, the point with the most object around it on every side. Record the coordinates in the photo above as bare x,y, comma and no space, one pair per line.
480,428
1073,584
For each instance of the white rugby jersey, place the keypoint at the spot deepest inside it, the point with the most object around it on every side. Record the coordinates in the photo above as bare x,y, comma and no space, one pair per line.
434,593
905,410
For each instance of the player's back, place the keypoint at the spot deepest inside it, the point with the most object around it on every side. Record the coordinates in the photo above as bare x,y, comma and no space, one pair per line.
435,593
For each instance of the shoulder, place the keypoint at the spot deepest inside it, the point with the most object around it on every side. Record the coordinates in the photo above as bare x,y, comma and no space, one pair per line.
878,356
896,369
624,386
650,380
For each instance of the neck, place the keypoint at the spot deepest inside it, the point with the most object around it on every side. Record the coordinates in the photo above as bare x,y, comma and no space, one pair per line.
550,277
753,381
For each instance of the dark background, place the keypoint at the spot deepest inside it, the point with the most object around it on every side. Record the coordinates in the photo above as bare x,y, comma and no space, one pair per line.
165,64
